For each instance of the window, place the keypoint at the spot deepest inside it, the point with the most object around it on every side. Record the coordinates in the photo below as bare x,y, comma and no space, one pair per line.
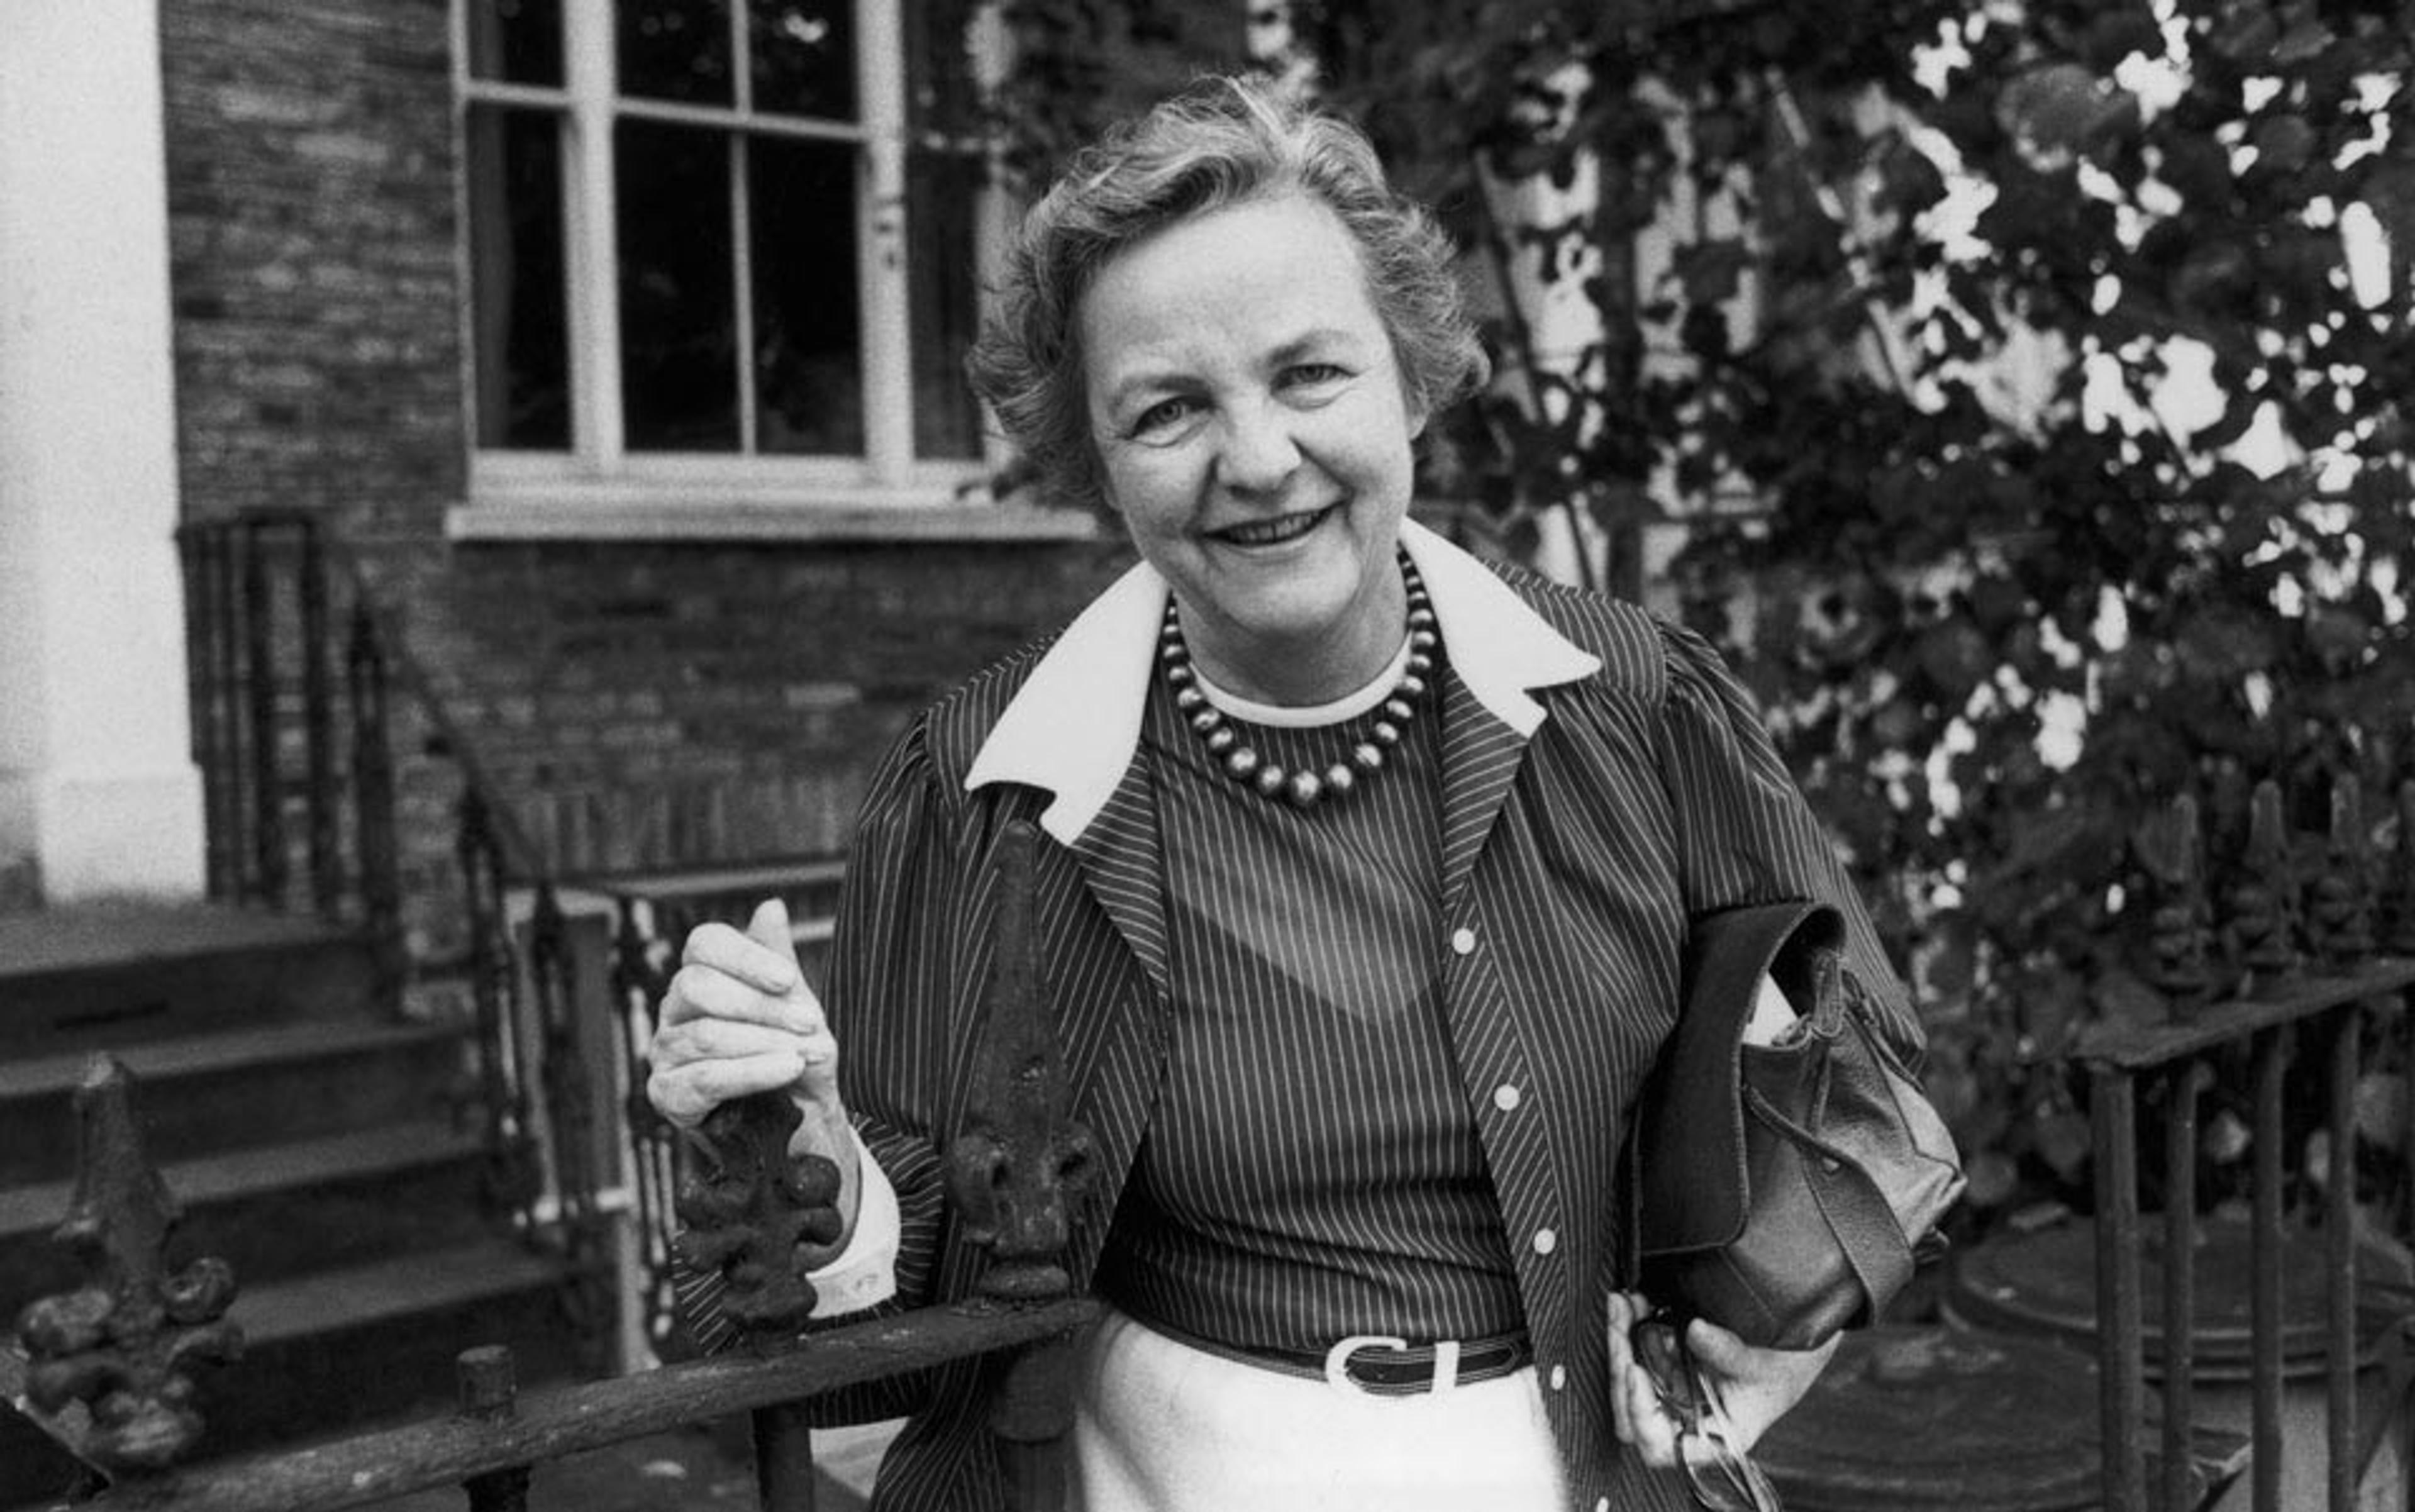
724,248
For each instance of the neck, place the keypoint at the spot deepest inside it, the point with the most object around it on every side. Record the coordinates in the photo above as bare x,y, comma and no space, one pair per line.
1306,670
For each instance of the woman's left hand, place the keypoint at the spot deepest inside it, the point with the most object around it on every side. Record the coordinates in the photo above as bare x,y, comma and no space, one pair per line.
1755,1387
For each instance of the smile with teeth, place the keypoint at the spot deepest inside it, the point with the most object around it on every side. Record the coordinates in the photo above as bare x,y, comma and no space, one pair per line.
1272,531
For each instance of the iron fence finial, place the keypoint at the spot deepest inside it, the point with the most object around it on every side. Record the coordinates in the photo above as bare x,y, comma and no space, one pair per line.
122,1343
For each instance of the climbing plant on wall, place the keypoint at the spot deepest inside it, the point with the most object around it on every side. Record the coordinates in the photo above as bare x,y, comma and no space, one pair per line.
2042,410
2033,376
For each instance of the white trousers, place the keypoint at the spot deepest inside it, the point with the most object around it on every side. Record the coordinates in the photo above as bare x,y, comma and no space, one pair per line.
1162,1427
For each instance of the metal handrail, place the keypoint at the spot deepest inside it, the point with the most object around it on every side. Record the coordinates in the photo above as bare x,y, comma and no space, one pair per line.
107,1369
2258,949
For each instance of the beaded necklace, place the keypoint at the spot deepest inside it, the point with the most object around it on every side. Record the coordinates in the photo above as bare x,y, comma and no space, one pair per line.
1308,786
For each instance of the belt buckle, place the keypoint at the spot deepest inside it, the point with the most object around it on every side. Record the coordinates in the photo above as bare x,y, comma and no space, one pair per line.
1337,1361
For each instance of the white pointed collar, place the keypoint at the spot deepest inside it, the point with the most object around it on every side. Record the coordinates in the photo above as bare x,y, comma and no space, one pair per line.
1072,727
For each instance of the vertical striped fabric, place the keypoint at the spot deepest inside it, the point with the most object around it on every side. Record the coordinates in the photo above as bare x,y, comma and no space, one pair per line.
1311,1170
1568,864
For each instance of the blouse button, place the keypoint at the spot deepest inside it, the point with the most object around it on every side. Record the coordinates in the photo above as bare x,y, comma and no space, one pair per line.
1602,1505
1462,940
1559,1378
1546,1241
1507,1097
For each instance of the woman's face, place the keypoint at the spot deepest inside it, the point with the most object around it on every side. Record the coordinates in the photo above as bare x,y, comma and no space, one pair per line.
1254,434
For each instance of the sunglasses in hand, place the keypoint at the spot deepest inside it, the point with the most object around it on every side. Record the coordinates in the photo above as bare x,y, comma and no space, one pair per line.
1719,1475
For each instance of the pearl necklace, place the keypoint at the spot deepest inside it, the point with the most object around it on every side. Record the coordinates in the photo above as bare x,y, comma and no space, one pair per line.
1305,789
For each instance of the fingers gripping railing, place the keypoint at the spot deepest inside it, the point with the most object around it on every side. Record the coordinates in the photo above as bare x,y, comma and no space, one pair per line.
756,1218
2260,943
1010,1175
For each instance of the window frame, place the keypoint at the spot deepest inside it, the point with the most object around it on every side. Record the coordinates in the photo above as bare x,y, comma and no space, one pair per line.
597,471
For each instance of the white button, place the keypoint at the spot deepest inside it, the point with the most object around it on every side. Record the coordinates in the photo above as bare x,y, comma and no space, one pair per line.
1463,941
1545,1241
1505,1097
1559,1378
1602,1505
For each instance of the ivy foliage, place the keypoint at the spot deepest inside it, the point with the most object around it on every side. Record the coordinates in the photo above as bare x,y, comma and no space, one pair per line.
2034,377
2058,354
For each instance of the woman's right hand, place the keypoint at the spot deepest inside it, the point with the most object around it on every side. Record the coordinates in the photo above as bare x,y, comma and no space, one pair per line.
739,1019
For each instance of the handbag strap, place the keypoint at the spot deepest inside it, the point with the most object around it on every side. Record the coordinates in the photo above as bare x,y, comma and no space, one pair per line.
1857,1211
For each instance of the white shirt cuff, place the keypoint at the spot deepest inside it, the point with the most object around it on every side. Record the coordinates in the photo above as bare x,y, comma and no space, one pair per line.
863,1274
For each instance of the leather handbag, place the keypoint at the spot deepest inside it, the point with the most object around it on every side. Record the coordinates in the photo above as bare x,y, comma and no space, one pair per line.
1786,1189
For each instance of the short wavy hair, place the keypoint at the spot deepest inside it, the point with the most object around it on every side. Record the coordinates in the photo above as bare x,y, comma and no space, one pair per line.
1222,141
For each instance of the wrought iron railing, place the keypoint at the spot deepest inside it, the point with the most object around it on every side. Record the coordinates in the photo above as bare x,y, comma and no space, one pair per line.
650,916
295,818
2259,940
301,820
108,1369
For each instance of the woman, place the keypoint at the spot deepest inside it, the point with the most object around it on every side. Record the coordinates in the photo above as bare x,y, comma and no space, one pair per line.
1371,870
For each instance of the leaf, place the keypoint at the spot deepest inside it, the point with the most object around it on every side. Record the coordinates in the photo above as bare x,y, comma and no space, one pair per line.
2338,635
2283,141
2061,109
1991,1178
1712,271
2212,276
1952,960
2225,645
1909,181
2119,31
2042,842
2119,996
2390,192
1955,657
2198,169
2303,42
2248,32
1997,603
2063,1141
2238,417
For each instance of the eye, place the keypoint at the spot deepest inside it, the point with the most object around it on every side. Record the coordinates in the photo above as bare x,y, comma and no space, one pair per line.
1315,374
1164,416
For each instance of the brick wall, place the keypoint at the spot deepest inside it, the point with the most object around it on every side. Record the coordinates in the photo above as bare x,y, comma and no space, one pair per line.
636,705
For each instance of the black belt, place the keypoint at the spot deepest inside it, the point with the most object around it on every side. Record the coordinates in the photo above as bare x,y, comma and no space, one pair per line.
1378,1365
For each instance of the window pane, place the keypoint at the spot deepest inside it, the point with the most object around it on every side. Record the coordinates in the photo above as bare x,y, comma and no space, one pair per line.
809,380
943,190
679,342
520,329
518,41
803,57
675,49
941,90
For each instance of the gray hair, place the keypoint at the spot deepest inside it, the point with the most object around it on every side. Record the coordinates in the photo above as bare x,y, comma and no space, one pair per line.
1224,142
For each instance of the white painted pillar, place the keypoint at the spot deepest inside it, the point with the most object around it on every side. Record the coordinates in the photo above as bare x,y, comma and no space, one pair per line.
97,779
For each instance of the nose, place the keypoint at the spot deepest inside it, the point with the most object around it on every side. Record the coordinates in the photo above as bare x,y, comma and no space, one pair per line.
1258,452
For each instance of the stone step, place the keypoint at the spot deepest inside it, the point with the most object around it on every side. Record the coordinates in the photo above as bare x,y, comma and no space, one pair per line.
334,1352
205,1093
277,1211
102,977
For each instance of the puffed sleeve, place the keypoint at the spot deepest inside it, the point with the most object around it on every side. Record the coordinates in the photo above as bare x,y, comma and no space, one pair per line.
1744,833
888,999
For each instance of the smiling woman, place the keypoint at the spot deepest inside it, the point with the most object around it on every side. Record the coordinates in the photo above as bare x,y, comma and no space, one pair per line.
1370,873
1254,437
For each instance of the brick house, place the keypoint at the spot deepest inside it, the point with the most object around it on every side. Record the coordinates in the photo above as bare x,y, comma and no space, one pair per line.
613,349
674,611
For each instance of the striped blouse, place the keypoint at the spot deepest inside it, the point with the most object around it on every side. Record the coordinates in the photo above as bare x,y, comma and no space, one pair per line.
1310,1170
1602,779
